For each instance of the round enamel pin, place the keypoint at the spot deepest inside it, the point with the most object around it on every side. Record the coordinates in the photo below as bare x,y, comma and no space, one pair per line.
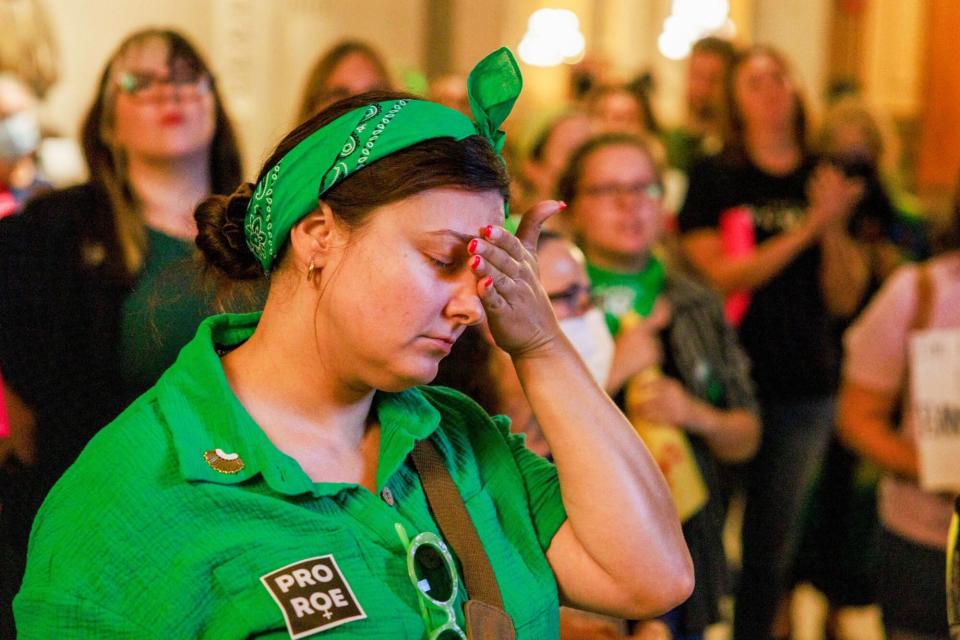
223,462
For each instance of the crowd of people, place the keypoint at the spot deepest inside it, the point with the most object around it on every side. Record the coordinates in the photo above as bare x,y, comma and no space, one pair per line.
738,290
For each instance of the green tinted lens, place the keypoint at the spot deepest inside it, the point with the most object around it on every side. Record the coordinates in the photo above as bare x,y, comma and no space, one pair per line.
433,574
130,82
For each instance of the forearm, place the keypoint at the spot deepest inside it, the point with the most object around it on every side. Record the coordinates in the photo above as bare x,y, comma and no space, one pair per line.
875,440
606,474
843,272
769,258
732,435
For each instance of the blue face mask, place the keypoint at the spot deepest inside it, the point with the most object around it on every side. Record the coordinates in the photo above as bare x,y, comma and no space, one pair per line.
19,135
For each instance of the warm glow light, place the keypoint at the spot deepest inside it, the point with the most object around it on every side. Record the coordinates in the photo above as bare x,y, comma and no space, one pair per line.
690,20
553,37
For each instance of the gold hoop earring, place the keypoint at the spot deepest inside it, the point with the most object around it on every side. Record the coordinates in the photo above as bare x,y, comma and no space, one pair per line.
310,271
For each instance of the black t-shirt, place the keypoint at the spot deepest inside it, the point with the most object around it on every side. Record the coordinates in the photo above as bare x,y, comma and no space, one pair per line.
787,331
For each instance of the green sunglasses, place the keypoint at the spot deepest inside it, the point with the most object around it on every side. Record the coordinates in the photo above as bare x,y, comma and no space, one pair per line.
434,576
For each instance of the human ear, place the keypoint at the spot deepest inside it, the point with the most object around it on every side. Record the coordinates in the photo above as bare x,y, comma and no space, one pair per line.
314,236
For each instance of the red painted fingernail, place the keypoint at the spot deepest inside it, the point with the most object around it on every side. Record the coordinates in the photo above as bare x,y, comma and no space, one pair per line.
472,247
488,282
562,205
488,231
476,262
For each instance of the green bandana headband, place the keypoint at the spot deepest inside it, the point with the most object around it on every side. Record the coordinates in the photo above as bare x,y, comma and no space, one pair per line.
291,189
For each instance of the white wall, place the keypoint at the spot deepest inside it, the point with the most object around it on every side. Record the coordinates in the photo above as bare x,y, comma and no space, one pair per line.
893,51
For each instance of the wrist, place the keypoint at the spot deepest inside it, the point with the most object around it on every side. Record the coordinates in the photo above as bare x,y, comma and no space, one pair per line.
547,348
699,417
811,227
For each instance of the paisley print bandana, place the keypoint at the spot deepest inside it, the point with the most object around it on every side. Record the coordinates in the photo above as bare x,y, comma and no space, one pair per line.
292,188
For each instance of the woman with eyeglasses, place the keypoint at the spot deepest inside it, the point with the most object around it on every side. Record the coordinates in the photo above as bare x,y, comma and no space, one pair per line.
98,283
269,484
677,363
767,224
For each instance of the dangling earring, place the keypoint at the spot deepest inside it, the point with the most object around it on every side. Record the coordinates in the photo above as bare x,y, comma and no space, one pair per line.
310,271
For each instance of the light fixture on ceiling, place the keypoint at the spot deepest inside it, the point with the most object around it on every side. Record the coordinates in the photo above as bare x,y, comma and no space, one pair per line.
690,20
553,37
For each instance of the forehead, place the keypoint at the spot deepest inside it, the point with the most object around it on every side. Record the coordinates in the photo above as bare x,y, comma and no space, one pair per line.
618,160
706,62
560,264
353,65
569,127
617,100
149,53
458,211
761,64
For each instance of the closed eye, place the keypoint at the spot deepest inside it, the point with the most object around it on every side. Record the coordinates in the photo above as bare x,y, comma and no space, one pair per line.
443,265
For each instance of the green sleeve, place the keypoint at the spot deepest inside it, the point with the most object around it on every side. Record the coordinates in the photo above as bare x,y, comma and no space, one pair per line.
540,482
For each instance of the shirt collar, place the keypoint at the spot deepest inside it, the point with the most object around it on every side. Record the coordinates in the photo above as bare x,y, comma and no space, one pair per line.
204,415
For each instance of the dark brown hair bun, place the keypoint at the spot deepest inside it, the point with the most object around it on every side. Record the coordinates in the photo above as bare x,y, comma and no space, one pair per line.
220,234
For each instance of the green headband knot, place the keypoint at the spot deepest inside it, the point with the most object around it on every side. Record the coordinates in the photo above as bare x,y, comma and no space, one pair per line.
292,188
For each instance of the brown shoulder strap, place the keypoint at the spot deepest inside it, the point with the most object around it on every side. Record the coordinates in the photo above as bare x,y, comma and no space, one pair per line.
455,523
924,309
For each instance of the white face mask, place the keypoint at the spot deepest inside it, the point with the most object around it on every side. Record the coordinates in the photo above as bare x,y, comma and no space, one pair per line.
590,337
19,134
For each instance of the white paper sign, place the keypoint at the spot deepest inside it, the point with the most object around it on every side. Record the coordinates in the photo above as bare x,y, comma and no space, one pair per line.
935,385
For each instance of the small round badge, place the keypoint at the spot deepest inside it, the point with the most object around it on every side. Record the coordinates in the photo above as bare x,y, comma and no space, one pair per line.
223,462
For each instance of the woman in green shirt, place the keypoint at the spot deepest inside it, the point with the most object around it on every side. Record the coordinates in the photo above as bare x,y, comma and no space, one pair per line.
697,381
263,489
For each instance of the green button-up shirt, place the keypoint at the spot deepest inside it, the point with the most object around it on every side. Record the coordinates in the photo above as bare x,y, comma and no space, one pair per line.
143,537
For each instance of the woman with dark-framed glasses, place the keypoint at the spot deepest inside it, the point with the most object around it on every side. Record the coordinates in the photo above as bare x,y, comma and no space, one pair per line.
265,488
98,289
678,370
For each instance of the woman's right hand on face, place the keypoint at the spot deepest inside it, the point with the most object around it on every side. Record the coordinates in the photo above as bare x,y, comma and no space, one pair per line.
832,196
518,310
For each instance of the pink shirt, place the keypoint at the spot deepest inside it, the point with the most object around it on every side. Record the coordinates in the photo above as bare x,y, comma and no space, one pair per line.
875,357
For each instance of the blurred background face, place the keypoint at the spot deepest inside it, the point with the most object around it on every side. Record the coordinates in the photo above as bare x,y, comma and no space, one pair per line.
618,112
164,108
616,209
851,140
566,135
563,275
451,91
764,93
353,75
705,85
